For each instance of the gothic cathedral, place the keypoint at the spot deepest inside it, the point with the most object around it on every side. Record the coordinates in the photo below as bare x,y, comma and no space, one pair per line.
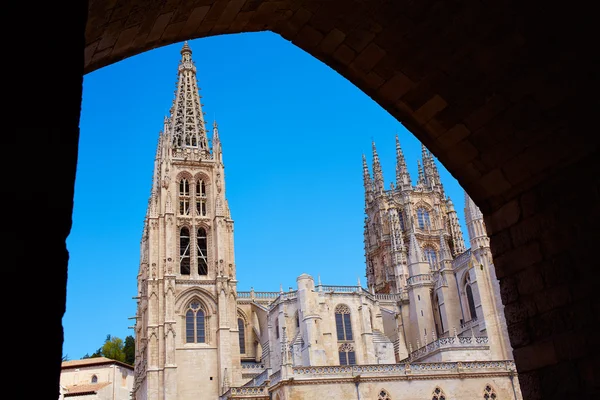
429,325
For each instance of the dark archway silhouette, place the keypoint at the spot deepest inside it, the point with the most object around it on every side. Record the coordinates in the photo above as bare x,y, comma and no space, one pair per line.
500,92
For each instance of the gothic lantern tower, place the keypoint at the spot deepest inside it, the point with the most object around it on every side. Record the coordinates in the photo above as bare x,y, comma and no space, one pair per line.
186,328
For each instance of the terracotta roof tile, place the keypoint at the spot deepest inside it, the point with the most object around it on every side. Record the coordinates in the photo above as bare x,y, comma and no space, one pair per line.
85,388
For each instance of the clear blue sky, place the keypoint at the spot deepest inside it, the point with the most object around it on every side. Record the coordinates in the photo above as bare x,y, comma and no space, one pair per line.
293,132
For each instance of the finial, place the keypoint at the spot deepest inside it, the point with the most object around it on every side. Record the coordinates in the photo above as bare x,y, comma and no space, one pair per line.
280,288
358,282
186,48
455,333
319,280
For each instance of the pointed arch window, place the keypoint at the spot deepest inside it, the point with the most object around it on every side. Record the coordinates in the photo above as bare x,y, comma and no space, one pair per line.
94,379
195,330
401,219
384,395
489,393
184,197
200,198
277,328
438,394
201,251
342,323
184,251
471,302
242,336
431,256
347,354
423,218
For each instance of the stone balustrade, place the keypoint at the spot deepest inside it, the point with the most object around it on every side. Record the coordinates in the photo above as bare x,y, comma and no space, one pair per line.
454,342
409,368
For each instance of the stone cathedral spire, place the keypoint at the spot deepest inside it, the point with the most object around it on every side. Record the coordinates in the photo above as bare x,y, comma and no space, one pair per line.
402,176
377,173
187,117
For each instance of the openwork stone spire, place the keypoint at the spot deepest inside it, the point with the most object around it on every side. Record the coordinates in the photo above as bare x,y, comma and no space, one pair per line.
186,115
377,173
366,177
402,175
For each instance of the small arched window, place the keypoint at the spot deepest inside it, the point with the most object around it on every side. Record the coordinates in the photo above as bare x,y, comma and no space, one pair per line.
489,393
342,323
277,328
201,250
471,302
423,218
94,379
297,319
195,331
184,197
347,354
242,336
384,395
401,219
438,394
184,251
431,256
200,198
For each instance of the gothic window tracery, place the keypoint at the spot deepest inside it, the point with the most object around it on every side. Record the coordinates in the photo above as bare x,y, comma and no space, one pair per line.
438,394
401,219
489,393
202,252
195,329
423,218
384,395
184,197
242,336
344,335
200,198
184,251
347,354
431,256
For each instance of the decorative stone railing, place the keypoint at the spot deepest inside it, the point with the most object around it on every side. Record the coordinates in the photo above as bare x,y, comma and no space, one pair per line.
409,368
387,296
458,342
246,392
275,377
462,258
466,325
253,366
422,278
339,289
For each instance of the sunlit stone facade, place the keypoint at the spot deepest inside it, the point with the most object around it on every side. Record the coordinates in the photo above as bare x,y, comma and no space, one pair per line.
427,325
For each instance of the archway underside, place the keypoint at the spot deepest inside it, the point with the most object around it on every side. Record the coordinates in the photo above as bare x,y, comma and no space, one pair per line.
495,90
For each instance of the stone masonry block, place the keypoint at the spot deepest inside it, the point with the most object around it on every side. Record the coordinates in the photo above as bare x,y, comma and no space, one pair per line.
308,37
368,58
395,87
344,54
505,217
535,356
331,41
518,259
430,109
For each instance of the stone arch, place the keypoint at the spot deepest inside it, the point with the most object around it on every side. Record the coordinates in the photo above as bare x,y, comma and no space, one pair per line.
438,394
203,295
488,136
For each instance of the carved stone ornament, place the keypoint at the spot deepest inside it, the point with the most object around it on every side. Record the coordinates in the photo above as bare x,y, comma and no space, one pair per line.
166,181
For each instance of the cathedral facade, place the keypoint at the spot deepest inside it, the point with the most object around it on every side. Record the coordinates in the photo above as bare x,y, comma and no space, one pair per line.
428,325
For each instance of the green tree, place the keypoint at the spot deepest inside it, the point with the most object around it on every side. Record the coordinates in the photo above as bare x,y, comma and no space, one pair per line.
129,350
113,348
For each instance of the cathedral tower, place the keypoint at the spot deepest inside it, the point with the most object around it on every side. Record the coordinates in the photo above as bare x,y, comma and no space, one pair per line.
186,329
